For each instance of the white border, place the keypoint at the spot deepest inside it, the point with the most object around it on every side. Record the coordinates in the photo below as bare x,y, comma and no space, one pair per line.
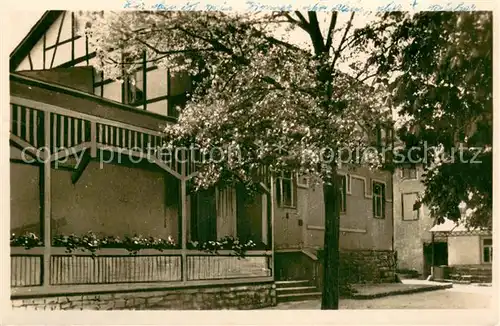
276,317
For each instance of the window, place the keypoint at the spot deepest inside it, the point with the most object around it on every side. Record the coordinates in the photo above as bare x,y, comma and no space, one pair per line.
302,181
343,193
134,94
378,190
487,251
376,136
410,211
409,172
174,103
285,190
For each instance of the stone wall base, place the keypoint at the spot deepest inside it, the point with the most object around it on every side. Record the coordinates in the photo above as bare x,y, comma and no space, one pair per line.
248,296
368,266
356,266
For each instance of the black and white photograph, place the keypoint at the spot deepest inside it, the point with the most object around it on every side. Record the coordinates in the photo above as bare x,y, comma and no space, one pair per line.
198,157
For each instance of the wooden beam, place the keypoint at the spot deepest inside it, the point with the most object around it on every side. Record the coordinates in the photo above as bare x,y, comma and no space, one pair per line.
63,290
93,139
72,36
265,218
184,218
27,147
75,176
87,56
72,39
144,81
47,209
57,40
67,152
117,252
78,60
31,62
43,52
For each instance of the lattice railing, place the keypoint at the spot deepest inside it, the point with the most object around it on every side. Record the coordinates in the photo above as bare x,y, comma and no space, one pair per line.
74,130
67,132
27,125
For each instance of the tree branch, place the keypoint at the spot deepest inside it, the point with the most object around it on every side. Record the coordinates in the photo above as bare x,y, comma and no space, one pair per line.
293,21
302,19
315,33
337,52
166,53
331,29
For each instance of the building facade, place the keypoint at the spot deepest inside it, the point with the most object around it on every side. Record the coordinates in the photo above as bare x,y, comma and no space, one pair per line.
420,243
412,237
470,252
81,161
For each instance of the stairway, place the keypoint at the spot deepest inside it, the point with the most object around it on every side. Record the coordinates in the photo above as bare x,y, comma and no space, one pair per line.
471,274
299,290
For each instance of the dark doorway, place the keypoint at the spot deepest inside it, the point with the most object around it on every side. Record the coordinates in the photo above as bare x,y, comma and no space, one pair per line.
440,256
203,216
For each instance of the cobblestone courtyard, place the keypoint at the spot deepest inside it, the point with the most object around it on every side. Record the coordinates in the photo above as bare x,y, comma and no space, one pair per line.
458,297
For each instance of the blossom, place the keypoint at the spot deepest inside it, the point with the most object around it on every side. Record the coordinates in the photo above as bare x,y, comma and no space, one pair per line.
250,87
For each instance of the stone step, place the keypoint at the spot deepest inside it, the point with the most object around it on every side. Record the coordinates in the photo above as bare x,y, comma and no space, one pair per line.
298,296
294,283
471,278
471,271
485,273
293,290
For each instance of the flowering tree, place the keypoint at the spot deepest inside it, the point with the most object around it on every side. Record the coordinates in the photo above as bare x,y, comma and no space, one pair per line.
439,68
282,104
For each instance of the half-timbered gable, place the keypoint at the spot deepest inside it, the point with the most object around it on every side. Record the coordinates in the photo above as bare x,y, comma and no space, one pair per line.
60,44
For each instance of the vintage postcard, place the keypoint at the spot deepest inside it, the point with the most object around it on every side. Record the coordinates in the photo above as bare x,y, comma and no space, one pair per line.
258,158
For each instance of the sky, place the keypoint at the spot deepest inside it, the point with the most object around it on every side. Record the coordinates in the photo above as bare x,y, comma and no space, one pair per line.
21,22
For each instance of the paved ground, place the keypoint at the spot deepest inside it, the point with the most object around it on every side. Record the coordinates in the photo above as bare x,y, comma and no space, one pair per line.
371,291
459,297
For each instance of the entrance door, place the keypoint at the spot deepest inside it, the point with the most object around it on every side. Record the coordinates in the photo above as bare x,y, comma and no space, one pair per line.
440,253
203,216
440,256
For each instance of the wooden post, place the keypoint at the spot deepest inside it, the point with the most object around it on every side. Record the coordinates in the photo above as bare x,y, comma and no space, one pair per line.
265,219
184,217
271,205
47,234
93,139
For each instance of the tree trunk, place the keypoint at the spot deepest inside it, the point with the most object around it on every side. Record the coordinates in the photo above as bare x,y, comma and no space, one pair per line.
331,194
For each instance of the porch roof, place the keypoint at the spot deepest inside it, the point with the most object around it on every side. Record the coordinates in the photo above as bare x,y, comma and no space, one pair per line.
452,227
448,226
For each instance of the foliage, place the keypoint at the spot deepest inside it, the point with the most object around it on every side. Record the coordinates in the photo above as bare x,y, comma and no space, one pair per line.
240,71
92,242
439,68
28,240
226,243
